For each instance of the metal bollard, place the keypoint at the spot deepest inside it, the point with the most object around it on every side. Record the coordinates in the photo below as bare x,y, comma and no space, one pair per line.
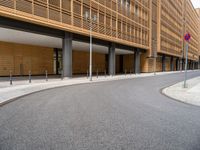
130,73
87,74
29,76
105,73
62,74
11,82
125,72
46,73
97,73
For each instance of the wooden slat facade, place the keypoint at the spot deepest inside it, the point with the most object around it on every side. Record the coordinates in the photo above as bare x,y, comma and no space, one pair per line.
120,21
170,27
192,26
21,58
198,12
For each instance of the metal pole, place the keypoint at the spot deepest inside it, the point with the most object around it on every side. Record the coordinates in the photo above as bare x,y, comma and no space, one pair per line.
90,49
105,73
154,66
62,74
11,78
29,76
46,75
97,73
125,72
186,63
87,74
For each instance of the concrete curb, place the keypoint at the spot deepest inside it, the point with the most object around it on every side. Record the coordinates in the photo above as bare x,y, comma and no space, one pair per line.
177,93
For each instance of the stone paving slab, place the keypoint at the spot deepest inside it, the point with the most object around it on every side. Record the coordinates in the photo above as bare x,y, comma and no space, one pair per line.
22,87
190,95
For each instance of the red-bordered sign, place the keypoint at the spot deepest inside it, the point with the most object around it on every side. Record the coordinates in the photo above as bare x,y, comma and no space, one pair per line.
187,37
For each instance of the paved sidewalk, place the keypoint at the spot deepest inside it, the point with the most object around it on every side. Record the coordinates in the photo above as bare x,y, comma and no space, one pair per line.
190,95
23,87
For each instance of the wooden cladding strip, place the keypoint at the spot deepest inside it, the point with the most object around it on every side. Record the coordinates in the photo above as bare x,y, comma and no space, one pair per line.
7,3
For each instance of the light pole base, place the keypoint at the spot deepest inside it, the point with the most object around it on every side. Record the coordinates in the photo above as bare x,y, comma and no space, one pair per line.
185,86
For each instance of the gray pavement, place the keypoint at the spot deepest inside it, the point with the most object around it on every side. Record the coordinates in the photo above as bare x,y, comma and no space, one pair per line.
190,95
127,114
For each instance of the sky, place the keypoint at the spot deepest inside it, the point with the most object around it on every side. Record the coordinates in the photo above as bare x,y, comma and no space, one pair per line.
196,3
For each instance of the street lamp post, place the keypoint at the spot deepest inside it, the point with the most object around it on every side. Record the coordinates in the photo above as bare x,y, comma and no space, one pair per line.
89,17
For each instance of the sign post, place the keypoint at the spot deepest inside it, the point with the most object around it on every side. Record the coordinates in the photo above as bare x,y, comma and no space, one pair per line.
187,39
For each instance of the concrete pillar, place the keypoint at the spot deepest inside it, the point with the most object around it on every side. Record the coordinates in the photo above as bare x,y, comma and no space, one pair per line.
177,64
163,63
181,64
189,65
172,63
196,66
137,61
67,55
111,59
193,65
199,65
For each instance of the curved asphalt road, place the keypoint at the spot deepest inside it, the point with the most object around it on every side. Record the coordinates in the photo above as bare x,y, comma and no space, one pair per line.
117,115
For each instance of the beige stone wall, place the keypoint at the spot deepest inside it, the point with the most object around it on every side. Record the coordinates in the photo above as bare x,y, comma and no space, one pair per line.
20,58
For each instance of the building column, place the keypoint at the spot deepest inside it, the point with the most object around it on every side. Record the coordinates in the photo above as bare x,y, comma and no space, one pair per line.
137,61
183,64
193,65
180,64
172,63
196,65
163,63
189,65
177,64
199,65
111,59
67,55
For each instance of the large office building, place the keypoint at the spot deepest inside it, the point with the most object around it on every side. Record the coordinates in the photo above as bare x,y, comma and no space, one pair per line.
127,36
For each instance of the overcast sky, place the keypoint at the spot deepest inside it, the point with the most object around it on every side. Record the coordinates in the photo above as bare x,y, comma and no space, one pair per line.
196,3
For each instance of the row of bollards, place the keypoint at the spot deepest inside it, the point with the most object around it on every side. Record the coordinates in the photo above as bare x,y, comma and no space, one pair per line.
97,73
125,72
62,73
11,80
29,77
105,73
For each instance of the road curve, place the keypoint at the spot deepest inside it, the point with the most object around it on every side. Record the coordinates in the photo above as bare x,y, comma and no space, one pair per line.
118,115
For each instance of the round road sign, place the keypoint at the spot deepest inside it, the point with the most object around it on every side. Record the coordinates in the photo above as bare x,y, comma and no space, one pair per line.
187,37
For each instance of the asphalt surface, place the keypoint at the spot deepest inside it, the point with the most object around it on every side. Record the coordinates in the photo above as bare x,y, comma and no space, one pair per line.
117,115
